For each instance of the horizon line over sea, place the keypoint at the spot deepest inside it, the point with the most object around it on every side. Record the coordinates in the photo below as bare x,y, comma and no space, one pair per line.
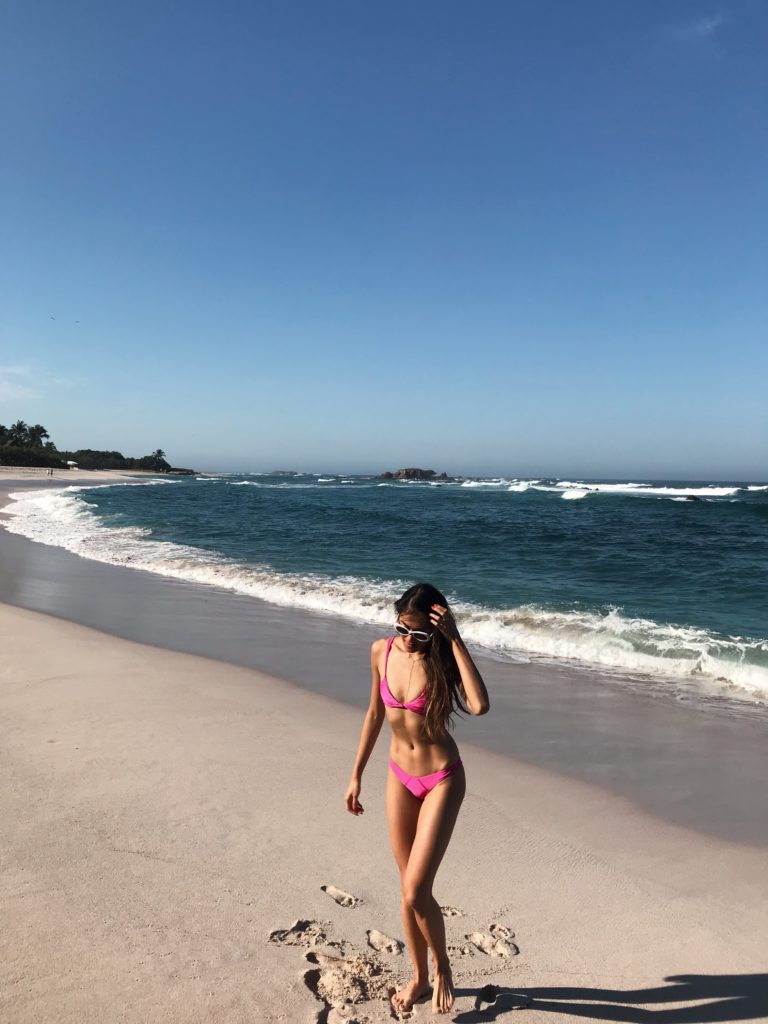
659,582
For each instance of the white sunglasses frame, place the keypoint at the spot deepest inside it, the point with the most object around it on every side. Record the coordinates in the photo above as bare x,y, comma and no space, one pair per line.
417,634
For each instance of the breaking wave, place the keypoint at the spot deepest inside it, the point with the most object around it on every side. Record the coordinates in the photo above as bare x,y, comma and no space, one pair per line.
685,656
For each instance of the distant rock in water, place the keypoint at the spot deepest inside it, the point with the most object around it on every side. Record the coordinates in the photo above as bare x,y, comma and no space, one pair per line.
414,474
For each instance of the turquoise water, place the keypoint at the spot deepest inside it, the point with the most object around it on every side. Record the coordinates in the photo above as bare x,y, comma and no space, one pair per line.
633,578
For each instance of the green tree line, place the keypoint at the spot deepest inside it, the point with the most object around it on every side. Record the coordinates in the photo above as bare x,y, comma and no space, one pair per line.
25,445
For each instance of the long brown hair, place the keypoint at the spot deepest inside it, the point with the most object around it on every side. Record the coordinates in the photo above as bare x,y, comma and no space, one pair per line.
444,689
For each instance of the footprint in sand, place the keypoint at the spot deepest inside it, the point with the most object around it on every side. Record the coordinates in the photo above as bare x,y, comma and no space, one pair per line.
344,899
465,949
452,912
301,933
318,956
383,943
494,942
336,982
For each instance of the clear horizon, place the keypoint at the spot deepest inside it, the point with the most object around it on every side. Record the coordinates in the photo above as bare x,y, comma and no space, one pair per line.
528,235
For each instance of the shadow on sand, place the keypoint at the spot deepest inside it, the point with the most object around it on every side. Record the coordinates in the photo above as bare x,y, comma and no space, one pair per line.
720,997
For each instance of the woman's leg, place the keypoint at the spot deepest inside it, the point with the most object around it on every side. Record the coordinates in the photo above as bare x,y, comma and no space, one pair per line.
402,816
436,820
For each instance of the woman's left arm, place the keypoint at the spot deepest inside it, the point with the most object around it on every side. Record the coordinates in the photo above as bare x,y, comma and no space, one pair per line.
475,692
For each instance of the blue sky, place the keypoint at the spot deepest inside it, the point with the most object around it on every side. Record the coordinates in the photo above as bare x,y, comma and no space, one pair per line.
508,237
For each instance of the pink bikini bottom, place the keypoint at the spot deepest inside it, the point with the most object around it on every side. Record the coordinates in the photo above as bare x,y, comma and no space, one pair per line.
420,785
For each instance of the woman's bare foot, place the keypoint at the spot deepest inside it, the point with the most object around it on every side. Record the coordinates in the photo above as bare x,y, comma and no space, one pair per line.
442,991
406,996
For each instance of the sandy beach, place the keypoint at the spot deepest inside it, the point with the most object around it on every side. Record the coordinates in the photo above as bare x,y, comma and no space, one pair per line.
27,475
175,848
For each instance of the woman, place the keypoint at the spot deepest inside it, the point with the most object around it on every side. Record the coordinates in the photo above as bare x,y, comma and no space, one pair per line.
419,678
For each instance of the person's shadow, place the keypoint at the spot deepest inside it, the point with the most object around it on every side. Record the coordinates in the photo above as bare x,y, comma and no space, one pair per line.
720,997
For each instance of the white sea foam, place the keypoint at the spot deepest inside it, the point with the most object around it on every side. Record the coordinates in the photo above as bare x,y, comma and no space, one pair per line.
61,518
570,489
522,485
285,485
634,645
710,491
599,487
496,482
708,663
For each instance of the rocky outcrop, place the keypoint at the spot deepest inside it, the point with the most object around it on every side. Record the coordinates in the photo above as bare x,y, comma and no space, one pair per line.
413,473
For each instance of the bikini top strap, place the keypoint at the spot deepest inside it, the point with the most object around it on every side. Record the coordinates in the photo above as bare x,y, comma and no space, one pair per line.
386,656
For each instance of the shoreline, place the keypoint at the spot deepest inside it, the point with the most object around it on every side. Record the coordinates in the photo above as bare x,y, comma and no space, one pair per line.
711,670
167,813
25,475
699,771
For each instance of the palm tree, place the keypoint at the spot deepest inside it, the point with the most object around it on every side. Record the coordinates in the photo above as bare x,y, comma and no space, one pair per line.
3,434
36,435
19,434
156,462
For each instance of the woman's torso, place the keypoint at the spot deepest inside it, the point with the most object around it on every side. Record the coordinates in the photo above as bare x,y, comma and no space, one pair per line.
404,682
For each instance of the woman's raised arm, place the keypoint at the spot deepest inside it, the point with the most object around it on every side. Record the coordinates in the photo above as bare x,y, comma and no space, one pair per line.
475,692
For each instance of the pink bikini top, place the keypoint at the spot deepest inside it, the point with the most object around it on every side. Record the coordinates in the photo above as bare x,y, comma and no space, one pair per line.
417,705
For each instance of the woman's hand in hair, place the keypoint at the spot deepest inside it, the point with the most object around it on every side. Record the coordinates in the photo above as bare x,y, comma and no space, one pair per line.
473,688
442,618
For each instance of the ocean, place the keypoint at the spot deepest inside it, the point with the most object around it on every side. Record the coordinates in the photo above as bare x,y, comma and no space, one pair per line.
662,584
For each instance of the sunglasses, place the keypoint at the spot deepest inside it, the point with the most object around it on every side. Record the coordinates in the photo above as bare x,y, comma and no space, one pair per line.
418,634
